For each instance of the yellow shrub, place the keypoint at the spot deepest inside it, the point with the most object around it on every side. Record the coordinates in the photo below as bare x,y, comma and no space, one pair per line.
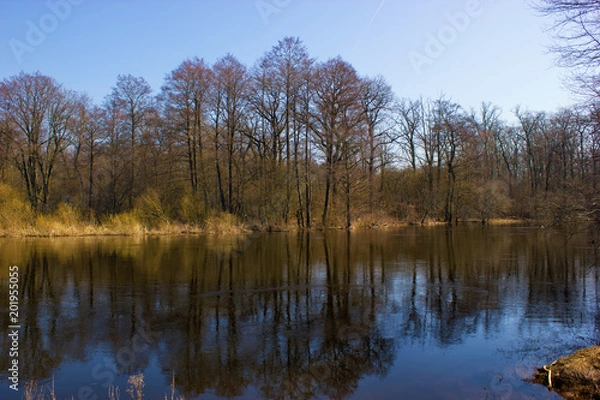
377,219
223,223
15,211
192,209
67,220
123,224
150,210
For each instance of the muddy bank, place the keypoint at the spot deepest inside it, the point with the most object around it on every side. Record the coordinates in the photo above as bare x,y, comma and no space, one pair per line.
576,376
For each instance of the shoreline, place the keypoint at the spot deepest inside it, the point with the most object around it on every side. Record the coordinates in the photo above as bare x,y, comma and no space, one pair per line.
60,230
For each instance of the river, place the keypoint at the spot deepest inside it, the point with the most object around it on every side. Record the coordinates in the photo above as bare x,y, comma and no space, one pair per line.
415,313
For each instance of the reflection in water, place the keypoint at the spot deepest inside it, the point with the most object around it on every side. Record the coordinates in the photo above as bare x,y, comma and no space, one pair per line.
301,315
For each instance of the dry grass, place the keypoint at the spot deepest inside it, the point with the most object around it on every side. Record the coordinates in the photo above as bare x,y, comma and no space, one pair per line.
135,390
223,223
114,393
378,219
504,222
432,222
136,387
65,221
576,376
15,212
174,228
172,395
148,218
33,392
122,224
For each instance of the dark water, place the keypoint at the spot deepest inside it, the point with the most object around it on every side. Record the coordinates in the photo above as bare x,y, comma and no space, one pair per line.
420,313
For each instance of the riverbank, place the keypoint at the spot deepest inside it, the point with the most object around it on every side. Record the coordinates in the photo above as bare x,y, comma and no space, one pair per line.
66,223
576,376
128,224
150,217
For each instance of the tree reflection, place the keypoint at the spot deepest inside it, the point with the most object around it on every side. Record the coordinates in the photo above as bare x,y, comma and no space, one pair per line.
288,315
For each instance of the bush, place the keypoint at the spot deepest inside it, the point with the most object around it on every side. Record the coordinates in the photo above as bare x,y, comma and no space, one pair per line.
123,224
149,209
15,211
223,223
67,220
377,219
191,209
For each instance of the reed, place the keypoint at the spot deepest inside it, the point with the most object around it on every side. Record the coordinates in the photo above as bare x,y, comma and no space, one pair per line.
135,390
223,223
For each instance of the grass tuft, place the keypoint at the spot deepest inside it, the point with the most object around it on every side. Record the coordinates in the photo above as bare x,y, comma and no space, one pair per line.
136,386
15,213
223,223
32,391
65,221
377,219
123,224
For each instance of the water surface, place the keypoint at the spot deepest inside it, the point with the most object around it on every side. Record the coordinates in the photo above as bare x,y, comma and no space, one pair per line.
417,313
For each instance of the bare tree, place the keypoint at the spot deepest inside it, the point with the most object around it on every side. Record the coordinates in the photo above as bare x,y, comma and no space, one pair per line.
265,143
430,147
375,100
115,144
39,115
530,133
268,105
336,116
407,122
487,124
132,95
86,149
293,64
5,145
577,30
451,127
185,96
228,112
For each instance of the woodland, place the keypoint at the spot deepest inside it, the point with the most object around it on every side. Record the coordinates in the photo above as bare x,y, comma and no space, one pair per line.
288,142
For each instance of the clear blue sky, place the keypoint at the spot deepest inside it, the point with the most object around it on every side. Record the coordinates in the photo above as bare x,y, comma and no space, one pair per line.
497,54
